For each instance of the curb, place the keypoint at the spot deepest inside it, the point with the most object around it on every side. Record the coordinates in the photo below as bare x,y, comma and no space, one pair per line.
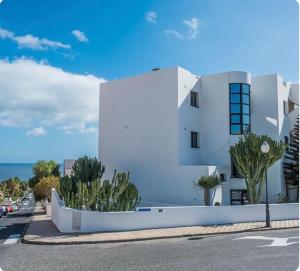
36,242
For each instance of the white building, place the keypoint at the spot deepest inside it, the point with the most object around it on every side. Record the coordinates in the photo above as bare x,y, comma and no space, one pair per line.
169,127
68,167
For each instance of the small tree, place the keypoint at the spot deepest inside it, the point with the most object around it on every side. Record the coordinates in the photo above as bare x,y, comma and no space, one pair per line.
252,164
42,190
13,187
43,168
1,196
291,164
207,183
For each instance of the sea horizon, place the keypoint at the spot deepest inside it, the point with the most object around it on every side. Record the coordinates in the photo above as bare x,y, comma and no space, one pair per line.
22,170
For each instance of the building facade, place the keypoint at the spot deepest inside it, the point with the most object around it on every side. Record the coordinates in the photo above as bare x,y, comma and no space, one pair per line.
169,127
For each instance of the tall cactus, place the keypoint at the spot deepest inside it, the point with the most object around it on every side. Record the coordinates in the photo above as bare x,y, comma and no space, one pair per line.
88,170
85,189
252,163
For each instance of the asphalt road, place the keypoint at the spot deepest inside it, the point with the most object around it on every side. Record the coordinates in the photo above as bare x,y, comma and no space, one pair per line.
252,251
12,225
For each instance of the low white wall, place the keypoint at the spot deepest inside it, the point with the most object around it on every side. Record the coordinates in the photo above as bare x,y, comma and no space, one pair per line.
61,216
68,220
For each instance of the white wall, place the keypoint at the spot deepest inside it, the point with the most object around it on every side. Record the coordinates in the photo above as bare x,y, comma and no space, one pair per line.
188,118
138,132
145,123
163,217
60,215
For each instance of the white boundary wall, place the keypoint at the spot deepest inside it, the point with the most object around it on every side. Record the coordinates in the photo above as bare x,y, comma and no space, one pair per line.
69,220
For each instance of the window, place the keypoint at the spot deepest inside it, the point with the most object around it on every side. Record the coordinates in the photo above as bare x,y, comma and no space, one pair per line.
239,97
285,109
238,196
194,99
291,106
194,140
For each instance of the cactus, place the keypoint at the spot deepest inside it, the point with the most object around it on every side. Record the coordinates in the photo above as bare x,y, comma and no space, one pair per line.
88,170
85,189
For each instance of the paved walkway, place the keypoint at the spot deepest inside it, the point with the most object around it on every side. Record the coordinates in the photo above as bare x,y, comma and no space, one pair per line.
42,231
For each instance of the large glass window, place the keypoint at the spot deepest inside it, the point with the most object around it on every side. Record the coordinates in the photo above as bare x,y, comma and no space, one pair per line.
239,108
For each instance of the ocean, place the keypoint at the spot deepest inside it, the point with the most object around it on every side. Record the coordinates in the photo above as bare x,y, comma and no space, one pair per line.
21,170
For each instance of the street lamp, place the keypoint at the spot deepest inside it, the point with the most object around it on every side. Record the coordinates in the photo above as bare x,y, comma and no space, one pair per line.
265,148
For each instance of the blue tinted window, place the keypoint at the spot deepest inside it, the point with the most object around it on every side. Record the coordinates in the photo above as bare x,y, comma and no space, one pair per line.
235,98
235,108
235,129
245,88
246,99
235,118
239,108
246,119
235,88
246,109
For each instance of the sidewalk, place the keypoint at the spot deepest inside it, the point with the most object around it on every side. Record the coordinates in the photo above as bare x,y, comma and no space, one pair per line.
42,231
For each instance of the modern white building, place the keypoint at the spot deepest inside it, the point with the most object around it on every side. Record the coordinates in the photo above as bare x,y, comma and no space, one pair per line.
169,127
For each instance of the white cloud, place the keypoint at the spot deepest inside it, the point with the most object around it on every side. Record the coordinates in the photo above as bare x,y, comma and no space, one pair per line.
5,34
39,131
192,25
175,33
80,36
31,42
151,17
35,94
193,28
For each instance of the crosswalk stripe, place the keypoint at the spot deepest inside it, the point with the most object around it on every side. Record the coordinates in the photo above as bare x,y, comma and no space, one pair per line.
12,239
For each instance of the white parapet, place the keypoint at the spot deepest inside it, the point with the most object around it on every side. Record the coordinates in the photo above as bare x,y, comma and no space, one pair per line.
69,220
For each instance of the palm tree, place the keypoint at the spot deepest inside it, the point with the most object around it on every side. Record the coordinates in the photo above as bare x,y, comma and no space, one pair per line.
207,183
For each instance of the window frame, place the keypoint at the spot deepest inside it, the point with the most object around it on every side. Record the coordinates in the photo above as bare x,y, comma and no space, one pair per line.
196,99
242,91
285,108
194,146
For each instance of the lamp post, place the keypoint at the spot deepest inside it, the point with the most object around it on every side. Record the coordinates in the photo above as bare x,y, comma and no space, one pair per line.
265,148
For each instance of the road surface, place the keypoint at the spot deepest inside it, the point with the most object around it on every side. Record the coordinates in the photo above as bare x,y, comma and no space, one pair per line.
265,250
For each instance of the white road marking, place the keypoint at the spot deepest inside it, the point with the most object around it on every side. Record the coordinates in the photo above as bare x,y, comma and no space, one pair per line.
276,241
1,269
12,239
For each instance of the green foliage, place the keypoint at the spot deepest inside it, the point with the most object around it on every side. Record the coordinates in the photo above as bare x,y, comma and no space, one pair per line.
291,163
207,183
42,190
1,196
13,187
252,164
120,194
88,170
106,196
43,168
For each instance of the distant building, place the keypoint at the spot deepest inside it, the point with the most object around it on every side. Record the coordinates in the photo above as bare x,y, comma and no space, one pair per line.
68,165
169,127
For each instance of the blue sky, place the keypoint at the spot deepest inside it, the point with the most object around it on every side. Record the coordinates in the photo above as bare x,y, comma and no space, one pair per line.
54,53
